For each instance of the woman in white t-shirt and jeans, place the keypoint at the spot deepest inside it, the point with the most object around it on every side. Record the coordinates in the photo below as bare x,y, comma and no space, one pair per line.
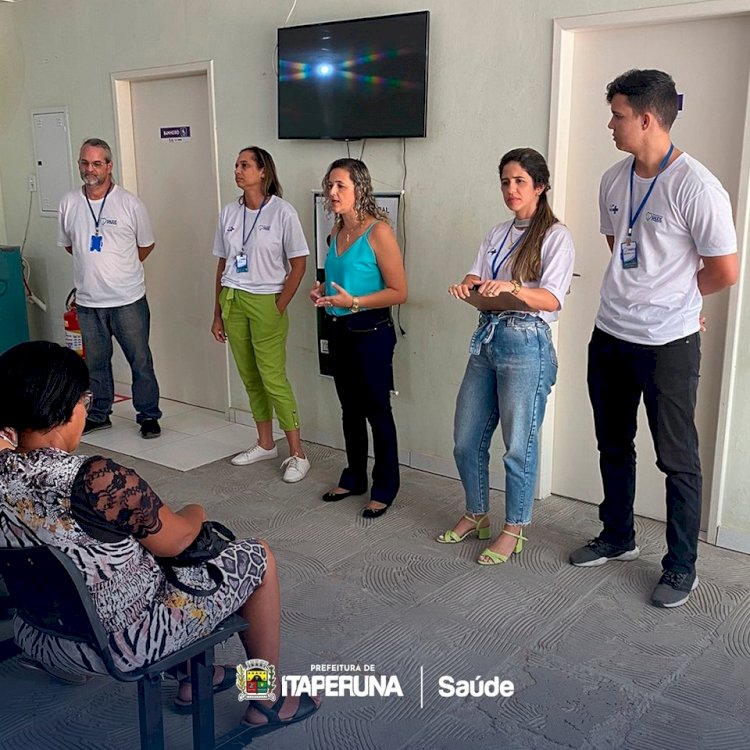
513,364
262,254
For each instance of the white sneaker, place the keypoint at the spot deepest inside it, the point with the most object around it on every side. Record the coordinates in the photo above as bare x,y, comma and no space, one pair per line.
296,468
254,454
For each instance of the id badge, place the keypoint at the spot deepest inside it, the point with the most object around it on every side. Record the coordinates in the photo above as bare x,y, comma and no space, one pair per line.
240,263
629,254
96,243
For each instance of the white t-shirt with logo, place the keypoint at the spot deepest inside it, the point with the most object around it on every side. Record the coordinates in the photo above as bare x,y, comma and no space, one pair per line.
277,236
687,215
558,256
112,276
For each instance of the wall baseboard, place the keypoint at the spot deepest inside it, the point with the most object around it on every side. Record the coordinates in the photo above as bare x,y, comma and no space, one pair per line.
123,389
421,461
445,467
734,539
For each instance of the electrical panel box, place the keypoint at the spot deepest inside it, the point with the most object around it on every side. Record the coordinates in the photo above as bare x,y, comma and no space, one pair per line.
14,325
52,156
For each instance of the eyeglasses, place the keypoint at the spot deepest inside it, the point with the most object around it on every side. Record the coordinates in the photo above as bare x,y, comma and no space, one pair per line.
87,398
95,164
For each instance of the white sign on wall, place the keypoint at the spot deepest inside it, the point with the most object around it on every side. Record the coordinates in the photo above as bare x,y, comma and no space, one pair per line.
389,202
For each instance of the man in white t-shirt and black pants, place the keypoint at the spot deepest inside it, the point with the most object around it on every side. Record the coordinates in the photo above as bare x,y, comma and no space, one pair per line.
668,223
107,231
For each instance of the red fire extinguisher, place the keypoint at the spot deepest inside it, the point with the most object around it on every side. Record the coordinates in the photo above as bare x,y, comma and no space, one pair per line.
73,338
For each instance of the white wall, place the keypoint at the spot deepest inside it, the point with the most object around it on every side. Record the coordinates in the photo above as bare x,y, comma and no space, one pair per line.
489,91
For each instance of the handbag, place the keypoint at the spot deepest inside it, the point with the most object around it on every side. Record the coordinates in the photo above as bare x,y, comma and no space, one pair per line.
212,540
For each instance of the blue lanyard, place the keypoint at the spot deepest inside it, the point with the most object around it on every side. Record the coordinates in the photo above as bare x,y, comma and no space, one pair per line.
495,265
97,219
246,237
662,165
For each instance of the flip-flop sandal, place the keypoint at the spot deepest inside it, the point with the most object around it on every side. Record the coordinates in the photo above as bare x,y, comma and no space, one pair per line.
186,707
305,709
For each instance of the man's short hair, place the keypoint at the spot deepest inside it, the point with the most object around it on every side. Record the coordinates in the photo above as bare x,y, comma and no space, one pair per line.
99,143
647,91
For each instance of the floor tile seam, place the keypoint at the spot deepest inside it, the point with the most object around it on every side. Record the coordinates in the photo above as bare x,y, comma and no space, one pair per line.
400,610
734,717
709,639
588,593
709,634
655,693
625,731
649,699
329,568
583,670
337,563
427,597
532,731
743,601
461,721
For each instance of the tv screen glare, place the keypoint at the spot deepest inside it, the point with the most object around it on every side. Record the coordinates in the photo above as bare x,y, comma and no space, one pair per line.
346,80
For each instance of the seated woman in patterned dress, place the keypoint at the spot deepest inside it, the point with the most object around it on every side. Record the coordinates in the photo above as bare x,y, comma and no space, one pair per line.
113,525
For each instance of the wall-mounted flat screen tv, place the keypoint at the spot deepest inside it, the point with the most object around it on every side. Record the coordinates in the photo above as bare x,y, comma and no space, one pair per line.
364,78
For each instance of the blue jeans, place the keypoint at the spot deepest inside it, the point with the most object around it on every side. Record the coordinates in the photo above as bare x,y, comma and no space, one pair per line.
510,373
129,324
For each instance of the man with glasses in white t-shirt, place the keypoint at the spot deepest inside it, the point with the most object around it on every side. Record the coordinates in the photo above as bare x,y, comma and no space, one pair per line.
107,231
668,224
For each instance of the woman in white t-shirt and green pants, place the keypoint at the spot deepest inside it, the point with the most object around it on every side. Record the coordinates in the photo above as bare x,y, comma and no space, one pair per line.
262,253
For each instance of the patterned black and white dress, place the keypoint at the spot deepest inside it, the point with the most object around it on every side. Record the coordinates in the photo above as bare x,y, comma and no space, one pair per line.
95,511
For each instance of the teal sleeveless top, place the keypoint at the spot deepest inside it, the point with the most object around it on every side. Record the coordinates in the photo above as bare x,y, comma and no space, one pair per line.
356,270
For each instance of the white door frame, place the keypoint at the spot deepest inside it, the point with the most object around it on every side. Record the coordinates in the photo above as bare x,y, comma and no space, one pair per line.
126,140
565,30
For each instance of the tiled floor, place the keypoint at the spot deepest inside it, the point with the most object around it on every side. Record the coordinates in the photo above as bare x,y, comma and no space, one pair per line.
190,436
594,665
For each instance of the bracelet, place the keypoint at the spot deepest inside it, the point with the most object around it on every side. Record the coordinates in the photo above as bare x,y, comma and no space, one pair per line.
517,285
355,305
10,436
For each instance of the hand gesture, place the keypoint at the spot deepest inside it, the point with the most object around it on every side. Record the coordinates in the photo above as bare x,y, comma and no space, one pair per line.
460,291
492,287
317,291
342,298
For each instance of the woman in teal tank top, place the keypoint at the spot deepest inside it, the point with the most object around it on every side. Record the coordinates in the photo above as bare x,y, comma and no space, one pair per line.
364,278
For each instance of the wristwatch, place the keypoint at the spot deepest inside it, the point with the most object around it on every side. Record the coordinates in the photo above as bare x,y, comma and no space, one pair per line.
516,286
355,305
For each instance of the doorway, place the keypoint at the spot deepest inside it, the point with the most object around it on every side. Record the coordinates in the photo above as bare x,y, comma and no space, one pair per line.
167,140
589,53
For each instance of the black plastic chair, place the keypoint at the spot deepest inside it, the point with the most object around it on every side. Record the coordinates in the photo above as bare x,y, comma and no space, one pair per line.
49,592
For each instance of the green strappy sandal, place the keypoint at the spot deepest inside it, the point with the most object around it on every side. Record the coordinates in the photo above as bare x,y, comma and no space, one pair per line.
482,532
495,558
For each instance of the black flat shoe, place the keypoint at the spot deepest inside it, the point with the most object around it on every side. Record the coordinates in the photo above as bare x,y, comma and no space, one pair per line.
332,497
374,512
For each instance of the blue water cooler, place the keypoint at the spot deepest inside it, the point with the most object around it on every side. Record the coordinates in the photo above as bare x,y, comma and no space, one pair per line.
14,324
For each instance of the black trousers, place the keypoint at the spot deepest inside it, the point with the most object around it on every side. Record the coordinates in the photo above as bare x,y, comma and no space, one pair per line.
361,347
666,376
